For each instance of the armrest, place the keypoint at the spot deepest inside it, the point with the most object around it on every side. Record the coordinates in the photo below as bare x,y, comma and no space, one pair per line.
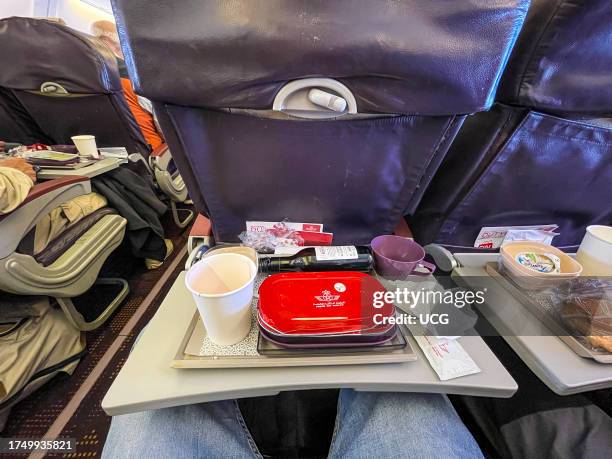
160,150
160,157
41,200
200,233
40,189
201,227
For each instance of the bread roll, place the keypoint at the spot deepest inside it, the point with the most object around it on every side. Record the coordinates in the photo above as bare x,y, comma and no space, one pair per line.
588,311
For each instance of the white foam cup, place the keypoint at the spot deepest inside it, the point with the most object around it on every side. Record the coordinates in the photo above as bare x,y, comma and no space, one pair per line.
595,251
86,144
222,287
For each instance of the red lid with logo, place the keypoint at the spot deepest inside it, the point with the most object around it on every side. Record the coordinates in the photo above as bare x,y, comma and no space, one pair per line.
319,303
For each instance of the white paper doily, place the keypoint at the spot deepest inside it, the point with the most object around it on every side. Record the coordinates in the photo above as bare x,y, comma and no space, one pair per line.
247,346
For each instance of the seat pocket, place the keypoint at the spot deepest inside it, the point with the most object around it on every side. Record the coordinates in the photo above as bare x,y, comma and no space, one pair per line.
550,170
357,177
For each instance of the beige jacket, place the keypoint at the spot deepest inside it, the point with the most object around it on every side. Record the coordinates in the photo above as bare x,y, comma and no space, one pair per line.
36,343
14,187
60,218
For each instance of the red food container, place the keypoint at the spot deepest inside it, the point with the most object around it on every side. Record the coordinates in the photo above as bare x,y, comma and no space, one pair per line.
326,308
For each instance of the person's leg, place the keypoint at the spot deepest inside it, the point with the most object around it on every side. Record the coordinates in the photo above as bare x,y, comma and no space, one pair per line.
211,430
389,425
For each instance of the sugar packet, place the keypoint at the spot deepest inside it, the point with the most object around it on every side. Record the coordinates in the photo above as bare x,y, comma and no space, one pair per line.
447,357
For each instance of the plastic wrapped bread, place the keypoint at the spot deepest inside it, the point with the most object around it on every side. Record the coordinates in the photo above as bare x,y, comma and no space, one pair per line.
587,310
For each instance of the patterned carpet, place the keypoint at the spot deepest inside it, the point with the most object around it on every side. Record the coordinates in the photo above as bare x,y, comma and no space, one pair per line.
33,416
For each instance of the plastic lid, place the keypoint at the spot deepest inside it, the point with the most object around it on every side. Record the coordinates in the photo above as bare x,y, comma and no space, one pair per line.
324,303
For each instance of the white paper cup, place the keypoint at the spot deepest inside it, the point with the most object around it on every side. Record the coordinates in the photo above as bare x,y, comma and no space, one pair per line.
222,287
86,144
595,251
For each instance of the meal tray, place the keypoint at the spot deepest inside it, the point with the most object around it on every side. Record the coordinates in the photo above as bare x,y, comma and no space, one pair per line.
539,305
187,355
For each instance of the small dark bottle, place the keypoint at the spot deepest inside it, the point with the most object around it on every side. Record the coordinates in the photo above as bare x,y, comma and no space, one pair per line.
325,258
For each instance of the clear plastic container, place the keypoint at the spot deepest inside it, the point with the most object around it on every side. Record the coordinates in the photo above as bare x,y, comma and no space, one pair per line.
531,279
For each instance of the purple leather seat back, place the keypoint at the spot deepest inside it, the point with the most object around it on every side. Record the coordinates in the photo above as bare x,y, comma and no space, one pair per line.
427,62
547,157
562,61
44,51
426,57
512,166
16,125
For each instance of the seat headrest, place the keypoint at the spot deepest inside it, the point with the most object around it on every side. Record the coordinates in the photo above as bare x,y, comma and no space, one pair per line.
562,61
42,51
404,56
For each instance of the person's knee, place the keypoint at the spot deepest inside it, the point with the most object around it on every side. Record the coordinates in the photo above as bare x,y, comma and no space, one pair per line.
207,429
400,403
419,424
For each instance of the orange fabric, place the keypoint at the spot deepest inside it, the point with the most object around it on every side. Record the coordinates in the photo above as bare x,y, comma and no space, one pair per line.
143,118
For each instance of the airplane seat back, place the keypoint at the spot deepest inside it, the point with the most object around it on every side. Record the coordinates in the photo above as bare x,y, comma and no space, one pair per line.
563,59
332,112
68,83
16,126
542,154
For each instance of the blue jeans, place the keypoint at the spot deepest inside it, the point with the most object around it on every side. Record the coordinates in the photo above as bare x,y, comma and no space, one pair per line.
368,425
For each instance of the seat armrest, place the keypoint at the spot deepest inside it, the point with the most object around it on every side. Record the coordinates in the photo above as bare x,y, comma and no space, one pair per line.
41,200
40,189
161,150
200,233
137,157
160,157
201,227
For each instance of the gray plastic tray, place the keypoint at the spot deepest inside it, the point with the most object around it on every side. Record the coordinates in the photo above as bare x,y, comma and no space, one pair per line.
147,381
538,308
560,368
187,355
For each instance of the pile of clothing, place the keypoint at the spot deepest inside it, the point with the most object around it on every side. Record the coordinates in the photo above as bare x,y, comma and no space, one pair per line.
36,343
37,340
127,193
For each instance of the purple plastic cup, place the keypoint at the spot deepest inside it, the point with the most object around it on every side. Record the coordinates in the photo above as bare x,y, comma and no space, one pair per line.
399,257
